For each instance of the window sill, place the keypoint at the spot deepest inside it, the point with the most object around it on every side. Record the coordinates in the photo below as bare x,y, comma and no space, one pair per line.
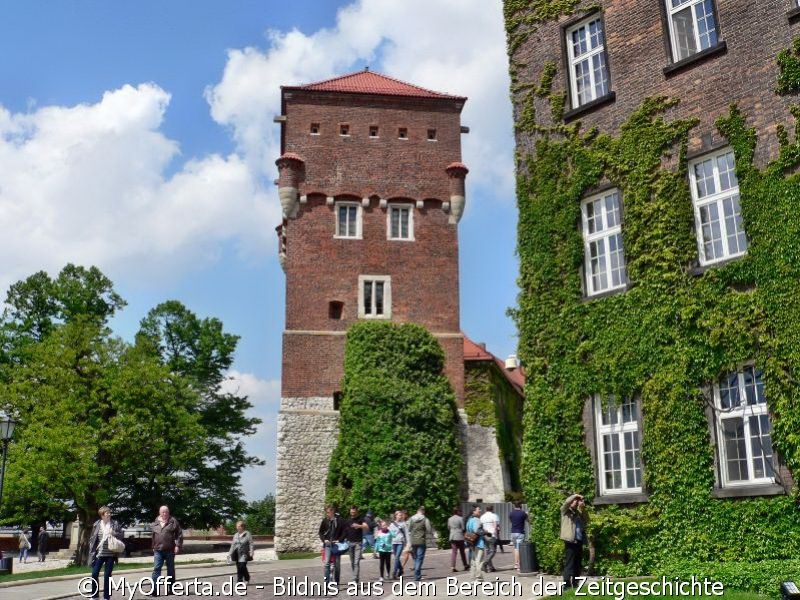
635,498
698,269
694,59
607,293
793,15
590,106
747,491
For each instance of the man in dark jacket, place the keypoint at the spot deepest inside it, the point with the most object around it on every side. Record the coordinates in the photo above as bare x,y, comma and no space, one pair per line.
331,531
167,542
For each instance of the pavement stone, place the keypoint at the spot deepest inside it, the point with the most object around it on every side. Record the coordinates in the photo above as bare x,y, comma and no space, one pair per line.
284,579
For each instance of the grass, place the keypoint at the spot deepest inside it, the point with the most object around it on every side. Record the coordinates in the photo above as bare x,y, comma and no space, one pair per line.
296,555
84,569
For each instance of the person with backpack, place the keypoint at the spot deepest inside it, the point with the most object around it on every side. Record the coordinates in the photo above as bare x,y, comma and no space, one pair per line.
474,536
419,527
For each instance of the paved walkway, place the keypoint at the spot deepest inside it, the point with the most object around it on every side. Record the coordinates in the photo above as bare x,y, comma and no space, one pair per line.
303,579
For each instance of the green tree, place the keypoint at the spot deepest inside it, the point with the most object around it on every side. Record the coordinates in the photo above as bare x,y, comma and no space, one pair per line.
107,422
398,443
260,517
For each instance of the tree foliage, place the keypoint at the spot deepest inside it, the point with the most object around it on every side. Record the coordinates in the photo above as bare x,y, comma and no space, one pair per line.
104,421
398,444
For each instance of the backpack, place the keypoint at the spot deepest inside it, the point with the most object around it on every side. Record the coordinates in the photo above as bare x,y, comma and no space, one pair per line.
417,532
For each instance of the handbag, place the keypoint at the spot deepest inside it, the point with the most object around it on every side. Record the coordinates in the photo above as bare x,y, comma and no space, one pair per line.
235,555
471,537
340,548
115,545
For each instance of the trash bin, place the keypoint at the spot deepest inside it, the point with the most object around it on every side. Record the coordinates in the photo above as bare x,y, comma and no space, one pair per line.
6,566
789,591
528,562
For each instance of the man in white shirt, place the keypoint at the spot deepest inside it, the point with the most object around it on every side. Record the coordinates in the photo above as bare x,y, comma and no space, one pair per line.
491,526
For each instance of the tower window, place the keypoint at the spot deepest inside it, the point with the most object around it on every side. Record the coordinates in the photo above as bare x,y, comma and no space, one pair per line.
604,254
402,133
315,129
401,222
431,135
335,309
344,129
374,297
373,131
348,220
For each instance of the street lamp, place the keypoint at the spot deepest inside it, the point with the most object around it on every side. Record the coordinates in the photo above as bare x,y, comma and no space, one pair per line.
7,426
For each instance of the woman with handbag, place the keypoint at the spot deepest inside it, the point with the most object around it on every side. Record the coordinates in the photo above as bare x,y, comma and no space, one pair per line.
24,545
105,544
241,551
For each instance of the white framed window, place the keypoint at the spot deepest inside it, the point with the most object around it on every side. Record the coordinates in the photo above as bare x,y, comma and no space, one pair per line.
374,297
619,446
400,223
744,430
348,220
692,27
588,72
717,214
604,254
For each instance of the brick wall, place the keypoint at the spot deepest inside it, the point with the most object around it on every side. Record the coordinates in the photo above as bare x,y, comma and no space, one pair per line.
638,50
321,268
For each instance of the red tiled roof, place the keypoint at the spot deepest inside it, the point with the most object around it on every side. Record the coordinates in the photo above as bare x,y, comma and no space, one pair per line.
369,82
478,352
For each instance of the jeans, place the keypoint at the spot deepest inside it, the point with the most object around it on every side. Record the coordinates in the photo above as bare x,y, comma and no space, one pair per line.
108,561
418,552
337,565
23,554
369,540
355,558
160,557
398,555
491,548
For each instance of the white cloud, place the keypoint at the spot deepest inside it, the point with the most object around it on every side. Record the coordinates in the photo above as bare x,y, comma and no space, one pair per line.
265,397
454,46
88,184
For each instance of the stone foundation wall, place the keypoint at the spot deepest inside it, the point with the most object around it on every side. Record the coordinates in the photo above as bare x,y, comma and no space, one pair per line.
308,429
485,474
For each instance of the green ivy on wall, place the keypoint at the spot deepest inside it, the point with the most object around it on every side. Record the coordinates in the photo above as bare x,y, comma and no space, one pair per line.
490,401
667,336
398,444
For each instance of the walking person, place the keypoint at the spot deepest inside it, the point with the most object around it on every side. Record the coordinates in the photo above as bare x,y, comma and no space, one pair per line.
419,528
369,533
41,543
241,551
100,556
331,531
398,529
573,533
518,518
383,546
474,535
24,545
491,529
455,525
167,542
354,529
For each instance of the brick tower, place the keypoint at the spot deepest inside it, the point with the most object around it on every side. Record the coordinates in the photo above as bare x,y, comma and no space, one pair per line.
372,189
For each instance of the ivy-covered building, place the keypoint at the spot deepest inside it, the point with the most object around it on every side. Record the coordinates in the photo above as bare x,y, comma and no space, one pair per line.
659,242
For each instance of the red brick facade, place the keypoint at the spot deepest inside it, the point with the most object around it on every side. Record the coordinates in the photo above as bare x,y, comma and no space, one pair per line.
741,70
341,146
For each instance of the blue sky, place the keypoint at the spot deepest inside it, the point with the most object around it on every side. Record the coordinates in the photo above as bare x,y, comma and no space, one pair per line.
138,137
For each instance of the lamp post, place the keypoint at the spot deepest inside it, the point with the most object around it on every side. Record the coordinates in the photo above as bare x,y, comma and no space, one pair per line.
7,426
